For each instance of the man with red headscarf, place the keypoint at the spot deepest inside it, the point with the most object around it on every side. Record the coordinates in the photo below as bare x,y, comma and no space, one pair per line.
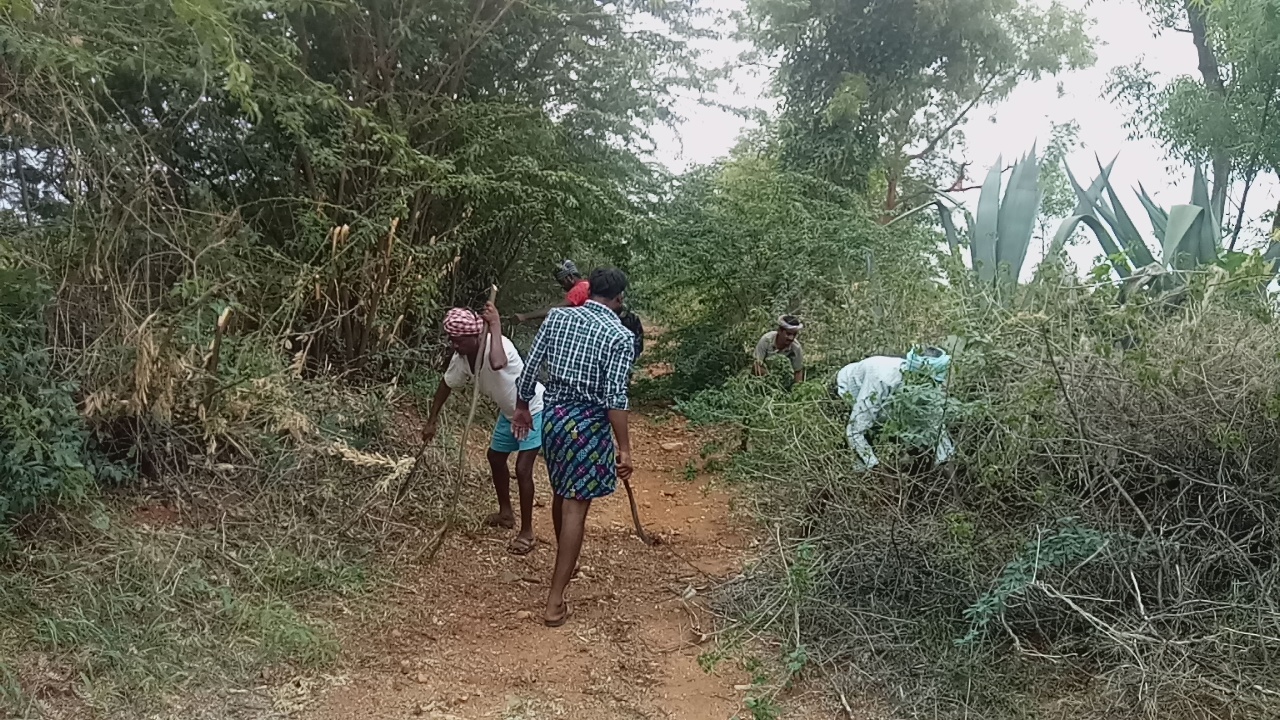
501,368
576,291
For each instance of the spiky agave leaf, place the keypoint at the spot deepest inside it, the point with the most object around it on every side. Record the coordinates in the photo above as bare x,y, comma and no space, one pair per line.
1209,236
1068,228
1158,215
1017,217
948,227
1179,250
1125,231
985,227
1087,200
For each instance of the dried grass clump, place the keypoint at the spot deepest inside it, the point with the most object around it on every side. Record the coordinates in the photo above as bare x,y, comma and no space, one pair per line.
1108,544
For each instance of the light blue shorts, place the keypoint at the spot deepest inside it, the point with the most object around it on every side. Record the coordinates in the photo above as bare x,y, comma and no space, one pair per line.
504,438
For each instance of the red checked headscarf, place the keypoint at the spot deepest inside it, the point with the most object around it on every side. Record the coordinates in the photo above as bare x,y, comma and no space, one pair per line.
460,322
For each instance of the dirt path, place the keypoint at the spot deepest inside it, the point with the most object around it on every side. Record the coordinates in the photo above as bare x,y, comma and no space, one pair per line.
465,639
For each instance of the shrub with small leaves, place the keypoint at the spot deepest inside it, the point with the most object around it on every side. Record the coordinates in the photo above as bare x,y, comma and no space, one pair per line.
42,436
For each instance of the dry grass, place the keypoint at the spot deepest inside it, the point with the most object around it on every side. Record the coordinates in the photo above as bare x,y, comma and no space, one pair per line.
1107,547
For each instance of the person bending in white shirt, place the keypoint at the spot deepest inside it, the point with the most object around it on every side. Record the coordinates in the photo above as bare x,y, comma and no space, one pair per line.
869,383
498,377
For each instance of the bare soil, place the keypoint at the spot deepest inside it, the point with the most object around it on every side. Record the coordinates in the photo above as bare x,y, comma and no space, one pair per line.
464,637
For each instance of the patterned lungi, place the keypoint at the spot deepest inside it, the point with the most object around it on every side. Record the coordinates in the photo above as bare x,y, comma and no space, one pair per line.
577,442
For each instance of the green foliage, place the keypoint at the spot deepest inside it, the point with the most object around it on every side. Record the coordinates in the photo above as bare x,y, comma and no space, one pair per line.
854,72
42,437
1051,550
745,241
456,144
1081,416
914,415
1192,118
129,614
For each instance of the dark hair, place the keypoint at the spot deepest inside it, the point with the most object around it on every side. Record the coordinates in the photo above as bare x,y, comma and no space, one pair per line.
791,320
933,351
608,282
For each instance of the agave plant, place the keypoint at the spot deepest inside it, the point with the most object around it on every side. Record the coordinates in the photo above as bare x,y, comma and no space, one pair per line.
1188,237
1000,232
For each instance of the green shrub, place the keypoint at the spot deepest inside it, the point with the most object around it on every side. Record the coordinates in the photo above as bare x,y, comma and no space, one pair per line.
42,436
1108,531
743,242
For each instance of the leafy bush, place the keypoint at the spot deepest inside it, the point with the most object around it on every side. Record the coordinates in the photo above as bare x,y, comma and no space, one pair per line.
743,242
42,436
1107,537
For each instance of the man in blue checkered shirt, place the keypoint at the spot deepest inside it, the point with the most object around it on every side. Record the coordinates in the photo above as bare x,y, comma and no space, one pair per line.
586,355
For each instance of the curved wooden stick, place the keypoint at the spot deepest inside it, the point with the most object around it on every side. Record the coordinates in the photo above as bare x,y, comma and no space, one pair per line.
460,476
645,537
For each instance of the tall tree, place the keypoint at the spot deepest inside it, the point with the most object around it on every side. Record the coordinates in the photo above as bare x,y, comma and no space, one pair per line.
487,131
1228,114
891,83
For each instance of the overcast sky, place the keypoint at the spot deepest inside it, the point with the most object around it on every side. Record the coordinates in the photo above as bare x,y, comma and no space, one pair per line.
1123,36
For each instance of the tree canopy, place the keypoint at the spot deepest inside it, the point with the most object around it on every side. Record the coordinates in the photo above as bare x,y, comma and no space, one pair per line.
868,85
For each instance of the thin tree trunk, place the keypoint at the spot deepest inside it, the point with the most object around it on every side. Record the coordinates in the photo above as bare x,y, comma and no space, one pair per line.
1244,199
1211,73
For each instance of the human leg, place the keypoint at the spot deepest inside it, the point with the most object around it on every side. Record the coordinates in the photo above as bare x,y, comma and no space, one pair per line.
578,446
524,541
568,548
557,515
505,517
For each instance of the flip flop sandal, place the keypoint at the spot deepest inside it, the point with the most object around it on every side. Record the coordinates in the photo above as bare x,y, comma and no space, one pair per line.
560,621
521,546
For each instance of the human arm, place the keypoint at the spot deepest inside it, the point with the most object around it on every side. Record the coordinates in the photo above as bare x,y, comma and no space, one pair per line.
433,417
527,385
622,436
618,363
760,354
577,296
497,353
861,418
534,314
867,389
797,361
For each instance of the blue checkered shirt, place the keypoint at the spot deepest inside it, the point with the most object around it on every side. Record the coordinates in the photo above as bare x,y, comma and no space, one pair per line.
586,354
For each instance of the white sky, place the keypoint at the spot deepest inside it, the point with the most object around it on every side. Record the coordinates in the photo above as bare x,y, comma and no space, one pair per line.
1123,35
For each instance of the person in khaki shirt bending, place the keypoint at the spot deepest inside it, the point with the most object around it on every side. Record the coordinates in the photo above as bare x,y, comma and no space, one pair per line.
781,342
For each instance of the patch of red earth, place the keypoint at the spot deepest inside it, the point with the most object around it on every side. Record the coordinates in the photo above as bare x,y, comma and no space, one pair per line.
464,638
155,515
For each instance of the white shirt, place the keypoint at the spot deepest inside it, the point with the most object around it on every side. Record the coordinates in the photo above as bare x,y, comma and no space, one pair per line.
499,386
868,384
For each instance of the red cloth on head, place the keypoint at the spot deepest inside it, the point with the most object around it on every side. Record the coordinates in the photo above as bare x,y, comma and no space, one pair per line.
578,294
459,322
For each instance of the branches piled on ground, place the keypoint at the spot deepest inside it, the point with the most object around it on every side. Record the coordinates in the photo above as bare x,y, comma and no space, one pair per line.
1105,546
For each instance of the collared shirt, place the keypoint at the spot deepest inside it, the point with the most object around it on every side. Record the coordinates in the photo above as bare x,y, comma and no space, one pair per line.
586,354
768,346
868,384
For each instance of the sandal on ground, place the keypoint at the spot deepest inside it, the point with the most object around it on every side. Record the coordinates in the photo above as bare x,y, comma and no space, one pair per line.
521,546
557,622
496,520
